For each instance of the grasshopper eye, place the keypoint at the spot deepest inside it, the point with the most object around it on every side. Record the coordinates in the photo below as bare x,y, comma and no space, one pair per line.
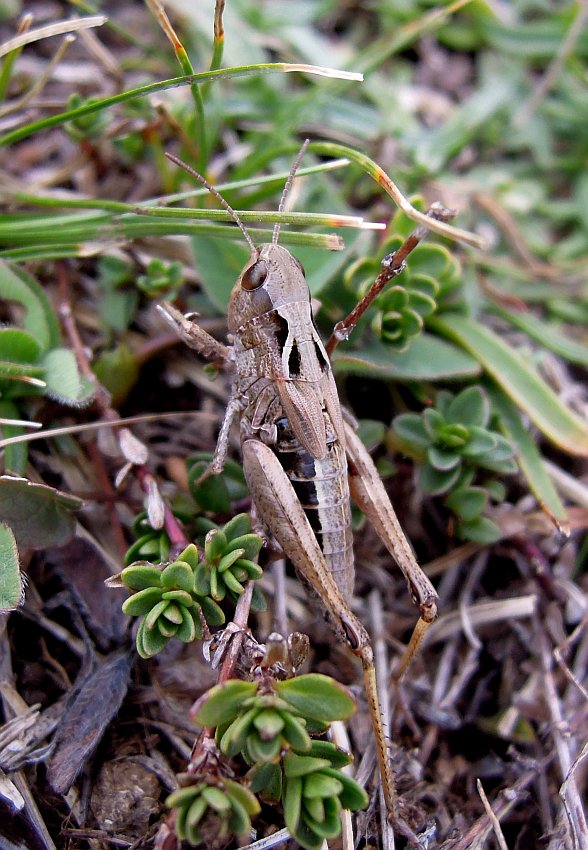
254,276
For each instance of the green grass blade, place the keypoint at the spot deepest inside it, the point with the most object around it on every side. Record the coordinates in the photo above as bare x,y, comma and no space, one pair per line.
546,335
163,85
528,456
519,381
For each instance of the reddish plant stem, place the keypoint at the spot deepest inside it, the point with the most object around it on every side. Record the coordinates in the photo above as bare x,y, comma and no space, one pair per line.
392,265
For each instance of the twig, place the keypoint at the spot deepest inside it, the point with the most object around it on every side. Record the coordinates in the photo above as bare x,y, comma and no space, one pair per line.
493,819
392,265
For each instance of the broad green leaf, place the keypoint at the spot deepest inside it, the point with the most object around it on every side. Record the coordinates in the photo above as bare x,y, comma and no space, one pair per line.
528,455
219,262
317,697
547,335
117,370
426,359
39,319
222,702
11,585
62,377
39,515
18,346
519,381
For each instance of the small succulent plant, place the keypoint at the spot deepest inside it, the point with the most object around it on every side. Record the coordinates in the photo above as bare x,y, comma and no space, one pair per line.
161,279
211,809
168,603
174,599
228,554
401,310
267,723
315,791
453,442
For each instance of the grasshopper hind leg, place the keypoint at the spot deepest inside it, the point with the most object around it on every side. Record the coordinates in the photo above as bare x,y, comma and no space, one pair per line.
369,494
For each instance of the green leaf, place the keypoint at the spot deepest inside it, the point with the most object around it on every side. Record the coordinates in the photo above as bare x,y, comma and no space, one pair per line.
140,576
268,723
62,377
118,371
235,736
481,530
250,543
216,798
213,614
467,503
189,556
39,515
219,262
326,750
519,381
321,785
11,585
153,615
292,802
266,779
222,702
238,792
434,482
353,796
481,442
18,346
297,765
528,456
142,602
548,336
15,455
39,319
260,750
187,629
179,574
238,526
427,359
410,429
443,459
470,407
152,641
317,697
295,733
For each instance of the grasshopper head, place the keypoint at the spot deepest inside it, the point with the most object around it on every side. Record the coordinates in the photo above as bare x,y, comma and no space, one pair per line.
271,279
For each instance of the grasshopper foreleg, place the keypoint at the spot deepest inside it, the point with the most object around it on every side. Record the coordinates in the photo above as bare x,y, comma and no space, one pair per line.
370,495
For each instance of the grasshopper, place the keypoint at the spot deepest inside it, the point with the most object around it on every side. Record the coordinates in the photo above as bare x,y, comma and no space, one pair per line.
302,459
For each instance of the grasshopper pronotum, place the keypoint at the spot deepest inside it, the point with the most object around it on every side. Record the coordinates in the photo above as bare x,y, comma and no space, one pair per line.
302,459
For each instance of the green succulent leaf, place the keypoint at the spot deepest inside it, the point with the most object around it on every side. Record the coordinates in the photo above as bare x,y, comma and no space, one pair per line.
467,503
435,482
480,530
142,602
317,697
141,576
302,765
321,785
189,556
353,796
178,575
238,526
243,795
223,702
470,407
443,460
213,614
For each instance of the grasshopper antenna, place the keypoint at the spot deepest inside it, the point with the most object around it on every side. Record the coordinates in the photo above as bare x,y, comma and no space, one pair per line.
217,195
287,187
